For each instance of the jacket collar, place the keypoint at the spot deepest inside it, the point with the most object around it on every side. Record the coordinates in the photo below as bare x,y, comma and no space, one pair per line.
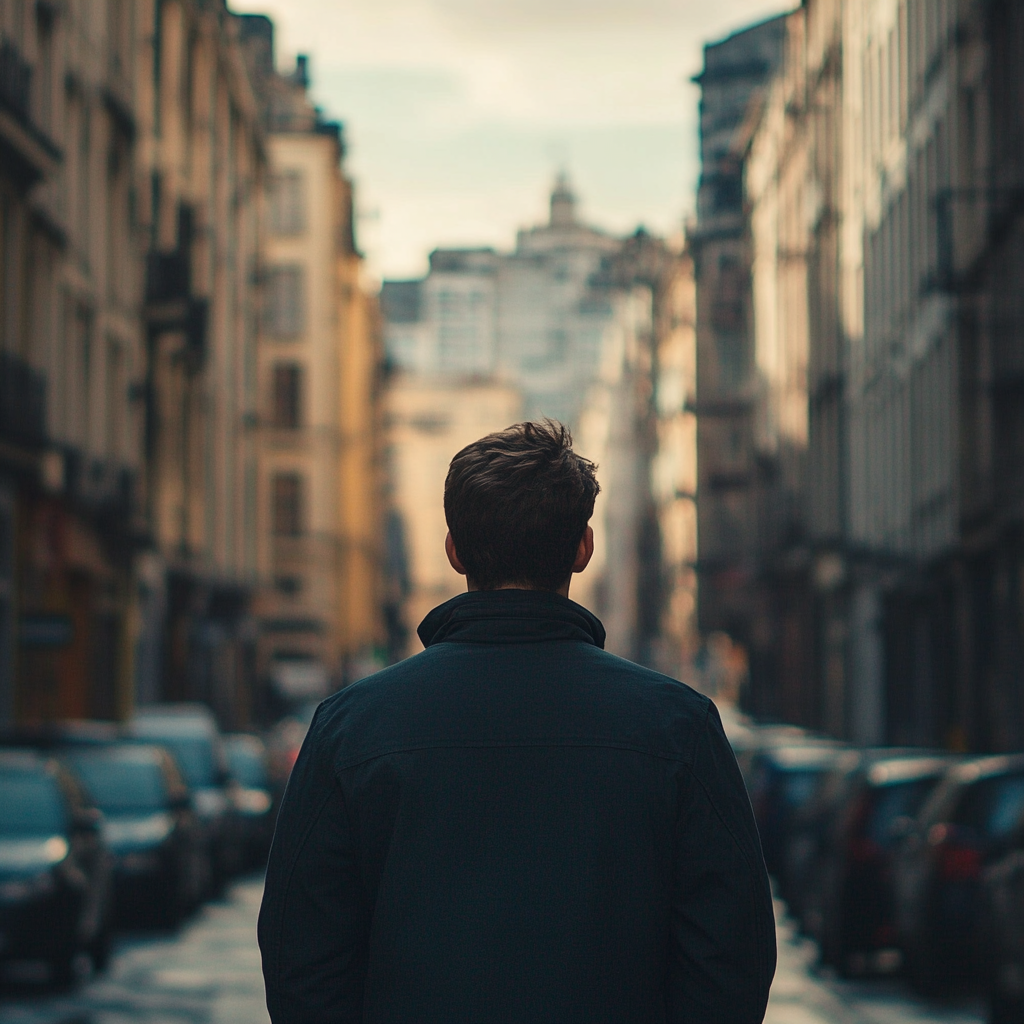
510,617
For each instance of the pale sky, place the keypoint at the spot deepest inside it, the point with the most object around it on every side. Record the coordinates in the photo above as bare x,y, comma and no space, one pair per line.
458,113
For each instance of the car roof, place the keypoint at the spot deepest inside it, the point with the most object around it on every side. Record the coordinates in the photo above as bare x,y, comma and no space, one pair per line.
986,767
906,769
804,756
192,710
136,753
171,727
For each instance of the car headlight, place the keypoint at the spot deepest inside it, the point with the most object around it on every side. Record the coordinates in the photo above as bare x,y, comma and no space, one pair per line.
209,803
18,890
253,801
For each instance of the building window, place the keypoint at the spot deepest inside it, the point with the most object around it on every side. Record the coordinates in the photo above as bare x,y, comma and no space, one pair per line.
284,296
287,203
287,396
286,496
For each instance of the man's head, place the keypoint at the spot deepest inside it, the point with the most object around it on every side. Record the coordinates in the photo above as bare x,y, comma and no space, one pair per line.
517,504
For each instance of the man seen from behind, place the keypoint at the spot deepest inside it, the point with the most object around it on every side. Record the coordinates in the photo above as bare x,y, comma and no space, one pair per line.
515,825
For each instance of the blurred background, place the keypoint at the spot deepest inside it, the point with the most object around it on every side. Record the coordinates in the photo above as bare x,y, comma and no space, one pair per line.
264,272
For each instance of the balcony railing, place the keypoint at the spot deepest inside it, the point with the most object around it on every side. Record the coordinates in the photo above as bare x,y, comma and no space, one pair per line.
22,401
15,80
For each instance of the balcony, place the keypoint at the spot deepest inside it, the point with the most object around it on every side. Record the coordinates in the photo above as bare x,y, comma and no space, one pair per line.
22,402
25,151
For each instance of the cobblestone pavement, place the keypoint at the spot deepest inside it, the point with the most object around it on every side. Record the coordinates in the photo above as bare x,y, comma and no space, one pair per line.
209,973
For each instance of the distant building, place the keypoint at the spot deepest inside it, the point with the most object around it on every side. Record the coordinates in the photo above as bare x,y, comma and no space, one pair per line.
530,317
576,322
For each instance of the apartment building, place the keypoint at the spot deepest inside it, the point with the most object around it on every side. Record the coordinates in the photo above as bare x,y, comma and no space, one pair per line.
318,479
72,357
737,72
200,166
882,184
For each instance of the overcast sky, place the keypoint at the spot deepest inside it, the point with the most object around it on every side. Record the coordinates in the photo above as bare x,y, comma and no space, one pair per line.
458,113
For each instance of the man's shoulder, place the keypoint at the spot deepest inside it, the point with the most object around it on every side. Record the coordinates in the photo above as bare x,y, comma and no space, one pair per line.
579,695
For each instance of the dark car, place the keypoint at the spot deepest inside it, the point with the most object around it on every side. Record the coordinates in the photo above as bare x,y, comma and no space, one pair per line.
190,734
252,794
968,823
160,871
54,867
849,903
782,780
1003,942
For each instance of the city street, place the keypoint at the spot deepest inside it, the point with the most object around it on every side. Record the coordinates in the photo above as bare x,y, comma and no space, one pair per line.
210,974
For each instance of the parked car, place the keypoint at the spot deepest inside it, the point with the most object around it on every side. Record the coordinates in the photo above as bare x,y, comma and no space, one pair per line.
1003,936
54,867
968,824
783,779
252,794
160,868
849,902
190,734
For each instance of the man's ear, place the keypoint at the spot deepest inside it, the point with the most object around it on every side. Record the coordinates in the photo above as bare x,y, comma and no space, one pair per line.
584,553
453,557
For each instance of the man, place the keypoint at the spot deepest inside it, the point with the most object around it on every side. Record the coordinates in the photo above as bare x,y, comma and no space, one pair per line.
514,825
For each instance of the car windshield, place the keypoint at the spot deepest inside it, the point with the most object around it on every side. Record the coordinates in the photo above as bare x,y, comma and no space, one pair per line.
195,758
120,784
30,804
993,807
247,765
894,801
798,787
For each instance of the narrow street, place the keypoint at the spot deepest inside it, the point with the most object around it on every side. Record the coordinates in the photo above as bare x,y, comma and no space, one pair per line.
210,974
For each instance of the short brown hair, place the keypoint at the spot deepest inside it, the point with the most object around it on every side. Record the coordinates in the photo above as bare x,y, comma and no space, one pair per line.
517,504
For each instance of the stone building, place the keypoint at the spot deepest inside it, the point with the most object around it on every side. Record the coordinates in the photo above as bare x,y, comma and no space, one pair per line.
72,358
932,258
318,480
737,72
882,189
199,173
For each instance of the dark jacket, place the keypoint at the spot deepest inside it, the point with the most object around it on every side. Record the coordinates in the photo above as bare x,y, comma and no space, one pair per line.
516,826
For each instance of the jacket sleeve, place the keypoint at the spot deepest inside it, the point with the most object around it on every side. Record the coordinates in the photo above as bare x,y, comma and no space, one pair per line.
314,922
723,928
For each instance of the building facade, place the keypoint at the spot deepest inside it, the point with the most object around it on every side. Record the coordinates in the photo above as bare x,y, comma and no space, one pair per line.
317,481
734,82
199,172
71,358
882,200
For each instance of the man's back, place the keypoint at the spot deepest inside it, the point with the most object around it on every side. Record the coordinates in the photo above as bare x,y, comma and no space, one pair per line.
516,826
